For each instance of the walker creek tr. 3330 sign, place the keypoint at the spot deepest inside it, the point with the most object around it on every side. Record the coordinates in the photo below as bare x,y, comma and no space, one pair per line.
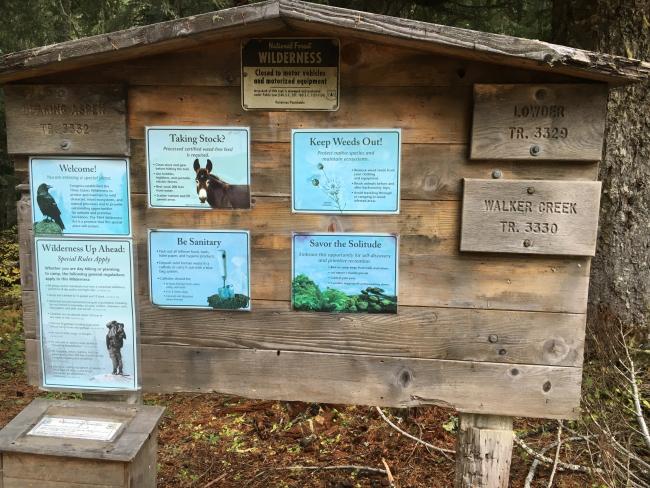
530,216
290,74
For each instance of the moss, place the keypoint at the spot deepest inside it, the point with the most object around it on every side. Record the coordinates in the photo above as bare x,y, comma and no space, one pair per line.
47,227
237,302
306,295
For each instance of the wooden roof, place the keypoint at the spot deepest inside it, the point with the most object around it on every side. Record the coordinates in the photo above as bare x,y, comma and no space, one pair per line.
266,17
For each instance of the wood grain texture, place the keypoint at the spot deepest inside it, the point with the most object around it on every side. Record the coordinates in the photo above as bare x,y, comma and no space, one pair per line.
552,122
445,119
554,339
139,422
483,451
432,272
530,217
428,172
364,380
25,483
66,119
141,41
142,472
363,63
63,470
266,16
463,43
531,391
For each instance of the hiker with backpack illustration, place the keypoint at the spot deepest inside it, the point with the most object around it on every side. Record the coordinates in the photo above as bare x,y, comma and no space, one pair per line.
114,342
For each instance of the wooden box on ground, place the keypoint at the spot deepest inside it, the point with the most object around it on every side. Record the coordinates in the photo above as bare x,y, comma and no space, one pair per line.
128,460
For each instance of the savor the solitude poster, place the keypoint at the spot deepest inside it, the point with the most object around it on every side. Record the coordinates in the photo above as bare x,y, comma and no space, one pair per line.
199,269
80,196
344,272
87,315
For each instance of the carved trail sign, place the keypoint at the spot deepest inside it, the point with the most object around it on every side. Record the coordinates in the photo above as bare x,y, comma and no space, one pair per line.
557,122
66,119
530,216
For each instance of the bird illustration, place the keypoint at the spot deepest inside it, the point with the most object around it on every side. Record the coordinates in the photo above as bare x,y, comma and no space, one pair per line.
48,205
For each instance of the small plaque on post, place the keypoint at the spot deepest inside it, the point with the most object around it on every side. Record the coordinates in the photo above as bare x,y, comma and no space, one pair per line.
290,74
76,428
530,216
545,122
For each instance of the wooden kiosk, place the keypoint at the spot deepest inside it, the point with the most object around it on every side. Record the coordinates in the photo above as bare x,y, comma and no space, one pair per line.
492,296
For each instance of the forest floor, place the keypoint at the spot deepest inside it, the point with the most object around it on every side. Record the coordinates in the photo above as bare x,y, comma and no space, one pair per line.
213,440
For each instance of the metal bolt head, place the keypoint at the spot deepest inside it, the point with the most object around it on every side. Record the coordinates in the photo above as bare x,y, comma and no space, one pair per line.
530,190
535,150
496,174
493,338
65,145
528,243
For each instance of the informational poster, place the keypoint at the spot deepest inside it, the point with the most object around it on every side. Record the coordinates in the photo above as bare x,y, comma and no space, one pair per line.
76,428
290,74
200,269
346,171
344,272
80,196
86,313
198,167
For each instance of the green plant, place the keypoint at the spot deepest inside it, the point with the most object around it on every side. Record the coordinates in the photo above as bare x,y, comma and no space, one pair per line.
9,267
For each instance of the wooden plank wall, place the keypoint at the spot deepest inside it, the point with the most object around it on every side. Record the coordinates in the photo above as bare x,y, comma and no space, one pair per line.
483,333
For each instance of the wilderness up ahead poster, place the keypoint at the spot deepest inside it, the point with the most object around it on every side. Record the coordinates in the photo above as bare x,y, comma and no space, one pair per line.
198,167
199,269
345,272
87,315
80,196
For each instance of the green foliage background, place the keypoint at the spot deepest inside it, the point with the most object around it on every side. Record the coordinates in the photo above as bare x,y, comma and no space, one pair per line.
307,296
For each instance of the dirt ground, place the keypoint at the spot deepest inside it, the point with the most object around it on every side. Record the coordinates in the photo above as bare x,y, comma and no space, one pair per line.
217,440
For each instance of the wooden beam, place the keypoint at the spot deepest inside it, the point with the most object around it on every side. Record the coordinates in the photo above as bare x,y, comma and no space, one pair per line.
499,336
530,390
484,451
258,19
265,17
465,43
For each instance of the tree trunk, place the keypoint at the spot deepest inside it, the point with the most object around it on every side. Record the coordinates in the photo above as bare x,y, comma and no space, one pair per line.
620,276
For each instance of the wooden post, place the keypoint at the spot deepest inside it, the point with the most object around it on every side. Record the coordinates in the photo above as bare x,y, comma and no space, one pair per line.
128,397
483,452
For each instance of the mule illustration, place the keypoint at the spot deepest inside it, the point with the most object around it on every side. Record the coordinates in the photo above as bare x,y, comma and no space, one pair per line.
217,192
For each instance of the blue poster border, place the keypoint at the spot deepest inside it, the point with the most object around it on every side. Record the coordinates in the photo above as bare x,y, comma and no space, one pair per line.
192,128
127,163
398,192
135,344
201,231
347,234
